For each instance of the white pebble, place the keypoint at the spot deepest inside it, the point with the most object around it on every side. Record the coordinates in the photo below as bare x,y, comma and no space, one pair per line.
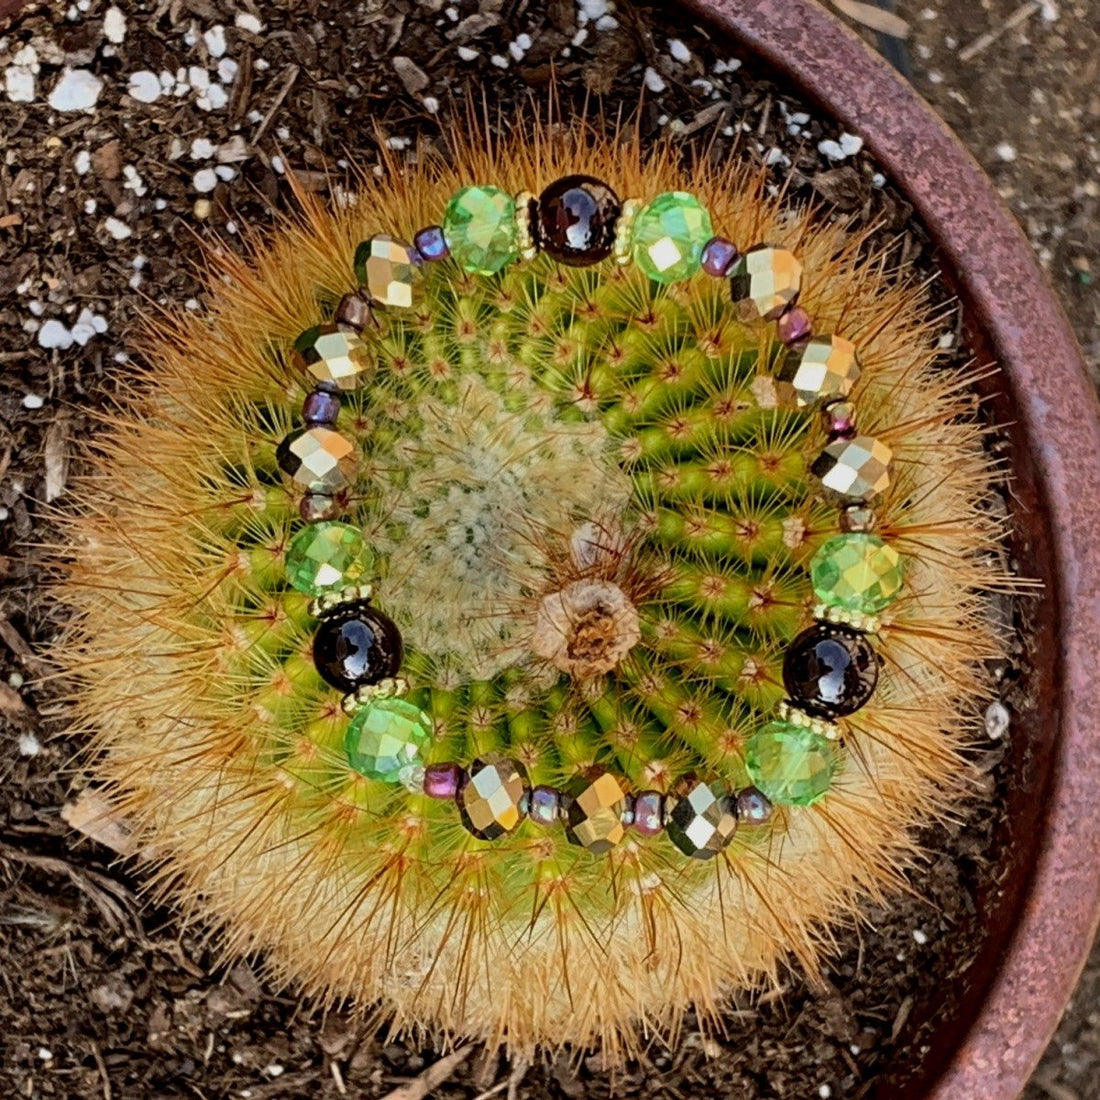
678,50
45,1054
277,164
33,401
53,334
197,77
606,23
90,206
824,1091
516,50
224,172
227,70
205,179
77,90
466,53
215,41
202,149
29,745
878,180
591,10
997,720
850,144
82,162
215,99
653,80
431,104
118,229
144,86
248,22
1005,152
920,937
19,84
498,61
831,149
274,1070
114,25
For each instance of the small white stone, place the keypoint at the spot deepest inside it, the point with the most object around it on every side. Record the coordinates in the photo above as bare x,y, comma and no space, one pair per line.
678,50
591,10
197,77
114,25
431,104
45,1054
248,22
878,180
205,179
850,144
227,70
499,61
997,720
82,162
824,1091
831,149
653,80
202,149
33,401
516,50
224,172
920,937
215,41
144,86
1006,152
20,84
217,97
77,90
277,164
274,1070
90,206
54,334
29,745
466,53
775,156
118,229
606,23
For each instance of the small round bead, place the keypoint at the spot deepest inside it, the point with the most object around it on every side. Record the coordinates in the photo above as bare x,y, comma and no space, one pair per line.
830,670
839,420
753,807
857,518
431,244
354,311
576,220
314,507
356,644
322,406
794,326
544,805
443,781
719,255
649,813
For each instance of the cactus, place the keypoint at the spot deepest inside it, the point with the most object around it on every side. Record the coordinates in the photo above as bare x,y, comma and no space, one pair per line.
539,445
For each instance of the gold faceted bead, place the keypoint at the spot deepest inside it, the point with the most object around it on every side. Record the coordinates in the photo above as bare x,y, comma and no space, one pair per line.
388,269
333,354
491,801
595,816
767,279
703,818
318,459
824,369
854,470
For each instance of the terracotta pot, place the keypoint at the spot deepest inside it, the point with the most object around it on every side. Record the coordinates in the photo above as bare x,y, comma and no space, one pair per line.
1044,915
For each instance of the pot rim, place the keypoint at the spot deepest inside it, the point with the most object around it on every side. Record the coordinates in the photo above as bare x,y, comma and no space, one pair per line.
1008,295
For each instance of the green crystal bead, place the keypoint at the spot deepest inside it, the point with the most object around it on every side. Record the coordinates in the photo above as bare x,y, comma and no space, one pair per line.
669,235
790,764
479,226
325,557
858,572
384,739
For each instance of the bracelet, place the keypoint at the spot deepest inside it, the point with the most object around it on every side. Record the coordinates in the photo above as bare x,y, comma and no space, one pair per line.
830,670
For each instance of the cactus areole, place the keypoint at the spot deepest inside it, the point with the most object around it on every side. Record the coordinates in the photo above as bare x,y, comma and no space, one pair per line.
536,598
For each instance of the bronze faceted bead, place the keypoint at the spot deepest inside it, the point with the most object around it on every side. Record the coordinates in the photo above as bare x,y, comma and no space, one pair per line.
333,354
824,369
388,269
491,800
767,279
703,819
853,471
318,459
595,816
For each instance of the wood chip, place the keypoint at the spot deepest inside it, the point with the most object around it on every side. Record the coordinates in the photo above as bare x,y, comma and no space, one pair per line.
411,74
56,456
92,815
420,1087
11,702
875,19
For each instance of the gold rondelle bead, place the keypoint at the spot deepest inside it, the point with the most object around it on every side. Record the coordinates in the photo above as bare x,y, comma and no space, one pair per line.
621,250
786,711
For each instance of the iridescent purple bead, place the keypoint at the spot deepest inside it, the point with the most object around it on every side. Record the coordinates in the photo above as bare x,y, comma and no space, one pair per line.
649,813
839,420
317,506
794,326
443,781
719,255
431,244
321,407
753,807
353,311
544,805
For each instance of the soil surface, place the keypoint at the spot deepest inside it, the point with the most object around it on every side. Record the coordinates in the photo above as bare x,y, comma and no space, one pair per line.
100,213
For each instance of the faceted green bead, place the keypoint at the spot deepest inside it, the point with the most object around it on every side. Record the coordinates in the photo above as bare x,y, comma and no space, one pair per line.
384,738
790,764
479,226
325,557
858,572
669,235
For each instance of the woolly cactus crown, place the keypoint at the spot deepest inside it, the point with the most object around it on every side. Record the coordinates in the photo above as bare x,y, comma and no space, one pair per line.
525,433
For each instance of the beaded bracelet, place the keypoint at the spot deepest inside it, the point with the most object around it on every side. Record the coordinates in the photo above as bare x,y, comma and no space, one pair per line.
829,671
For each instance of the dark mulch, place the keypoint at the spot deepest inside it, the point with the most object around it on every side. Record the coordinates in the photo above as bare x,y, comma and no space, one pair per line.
105,996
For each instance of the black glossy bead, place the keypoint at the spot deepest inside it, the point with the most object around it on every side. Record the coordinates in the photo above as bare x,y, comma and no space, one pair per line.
830,670
576,220
321,407
356,645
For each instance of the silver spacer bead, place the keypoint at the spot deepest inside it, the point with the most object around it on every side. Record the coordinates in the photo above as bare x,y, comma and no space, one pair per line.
384,689
525,233
322,605
621,251
786,711
857,620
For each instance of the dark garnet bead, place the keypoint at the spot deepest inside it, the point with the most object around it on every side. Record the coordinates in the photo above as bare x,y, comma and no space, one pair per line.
830,670
321,407
576,220
356,645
